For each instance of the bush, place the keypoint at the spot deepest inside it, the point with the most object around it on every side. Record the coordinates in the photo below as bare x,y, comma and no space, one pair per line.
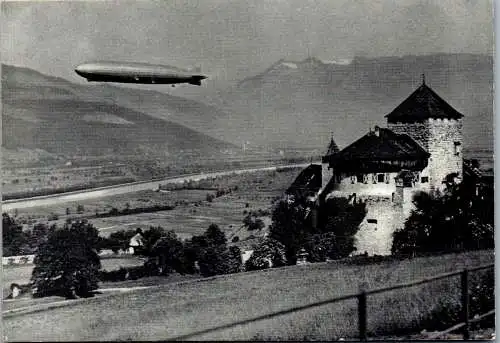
270,253
456,220
252,222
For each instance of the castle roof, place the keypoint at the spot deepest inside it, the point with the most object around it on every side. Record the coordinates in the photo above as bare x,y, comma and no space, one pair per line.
422,104
332,148
381,149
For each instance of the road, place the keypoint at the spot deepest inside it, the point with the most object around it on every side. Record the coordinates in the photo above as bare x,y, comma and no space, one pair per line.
93,193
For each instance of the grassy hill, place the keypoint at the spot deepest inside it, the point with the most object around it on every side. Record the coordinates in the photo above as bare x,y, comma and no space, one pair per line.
172,310
300,103
50,119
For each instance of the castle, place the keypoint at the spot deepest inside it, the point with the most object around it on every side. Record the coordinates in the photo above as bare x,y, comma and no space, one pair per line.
420,150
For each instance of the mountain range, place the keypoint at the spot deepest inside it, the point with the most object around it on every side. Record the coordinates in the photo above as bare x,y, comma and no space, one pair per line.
300,104
293,106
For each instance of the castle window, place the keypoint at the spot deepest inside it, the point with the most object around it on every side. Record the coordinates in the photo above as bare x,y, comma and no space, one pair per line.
372,221
424,179
458,148
360,178
381,178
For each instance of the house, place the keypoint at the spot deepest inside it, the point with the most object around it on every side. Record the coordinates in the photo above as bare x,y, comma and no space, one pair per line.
419,150
136,243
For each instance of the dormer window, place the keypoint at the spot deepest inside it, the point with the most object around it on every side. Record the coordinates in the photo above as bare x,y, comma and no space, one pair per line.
458,148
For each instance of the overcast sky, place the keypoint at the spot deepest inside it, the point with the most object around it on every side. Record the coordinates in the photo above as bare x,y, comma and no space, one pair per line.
237,38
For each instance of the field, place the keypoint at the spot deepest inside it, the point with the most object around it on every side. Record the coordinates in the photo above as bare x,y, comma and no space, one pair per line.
177,309
192,214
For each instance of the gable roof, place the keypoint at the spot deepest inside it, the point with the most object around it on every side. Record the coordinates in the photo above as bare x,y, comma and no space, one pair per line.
422,104
384,145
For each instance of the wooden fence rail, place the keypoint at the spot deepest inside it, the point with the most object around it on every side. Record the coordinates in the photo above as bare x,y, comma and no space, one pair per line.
362,306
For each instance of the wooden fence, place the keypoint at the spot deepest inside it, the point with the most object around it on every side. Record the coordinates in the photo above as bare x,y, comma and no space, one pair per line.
362,306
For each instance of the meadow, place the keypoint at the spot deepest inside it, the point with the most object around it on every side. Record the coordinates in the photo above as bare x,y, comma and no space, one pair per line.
192,213
181,308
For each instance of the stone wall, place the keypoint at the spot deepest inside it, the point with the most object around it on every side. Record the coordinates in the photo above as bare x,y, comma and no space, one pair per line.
444,161
376,238
420,132
326,174
386,203
438,137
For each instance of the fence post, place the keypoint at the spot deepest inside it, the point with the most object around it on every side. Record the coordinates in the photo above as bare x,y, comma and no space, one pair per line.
465,302
362,315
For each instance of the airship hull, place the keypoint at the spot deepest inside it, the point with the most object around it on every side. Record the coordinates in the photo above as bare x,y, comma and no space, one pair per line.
136,73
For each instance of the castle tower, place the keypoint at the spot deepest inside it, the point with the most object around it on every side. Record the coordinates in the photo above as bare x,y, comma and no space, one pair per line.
326,170
437,127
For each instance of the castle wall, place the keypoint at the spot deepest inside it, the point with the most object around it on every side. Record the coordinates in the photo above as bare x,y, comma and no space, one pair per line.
387,204
376,238
326,174
438,137
444,160
418,131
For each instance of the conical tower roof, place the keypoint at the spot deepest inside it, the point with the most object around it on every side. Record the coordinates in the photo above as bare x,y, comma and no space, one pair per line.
422,104
332,150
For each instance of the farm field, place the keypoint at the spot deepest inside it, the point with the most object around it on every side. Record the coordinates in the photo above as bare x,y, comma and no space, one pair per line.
178,309
192,213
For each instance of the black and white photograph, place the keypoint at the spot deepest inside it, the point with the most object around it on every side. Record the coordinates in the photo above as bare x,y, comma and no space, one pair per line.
257,170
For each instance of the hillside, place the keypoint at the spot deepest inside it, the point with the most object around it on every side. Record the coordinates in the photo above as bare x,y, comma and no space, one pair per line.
300,103
49,120
167,311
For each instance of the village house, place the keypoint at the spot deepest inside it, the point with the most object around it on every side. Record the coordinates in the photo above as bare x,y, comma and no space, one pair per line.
420,150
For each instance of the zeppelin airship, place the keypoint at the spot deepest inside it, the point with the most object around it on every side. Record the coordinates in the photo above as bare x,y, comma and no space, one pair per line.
131,72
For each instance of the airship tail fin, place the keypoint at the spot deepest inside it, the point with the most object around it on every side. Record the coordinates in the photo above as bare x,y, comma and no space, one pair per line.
196,80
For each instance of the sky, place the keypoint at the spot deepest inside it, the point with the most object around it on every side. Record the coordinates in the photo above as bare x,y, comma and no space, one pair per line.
231,40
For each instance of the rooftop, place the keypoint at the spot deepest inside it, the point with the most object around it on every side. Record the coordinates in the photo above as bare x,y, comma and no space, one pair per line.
422,104
381,146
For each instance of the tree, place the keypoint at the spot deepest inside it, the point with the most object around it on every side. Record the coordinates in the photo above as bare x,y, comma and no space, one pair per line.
118,240
168,254
151,236
215,236
454,220
253,223
290,227
68,262
269,253
14,240
39,235
212,253
343,220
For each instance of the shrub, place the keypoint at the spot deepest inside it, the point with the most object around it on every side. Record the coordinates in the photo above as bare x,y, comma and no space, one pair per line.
269,253
456,220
